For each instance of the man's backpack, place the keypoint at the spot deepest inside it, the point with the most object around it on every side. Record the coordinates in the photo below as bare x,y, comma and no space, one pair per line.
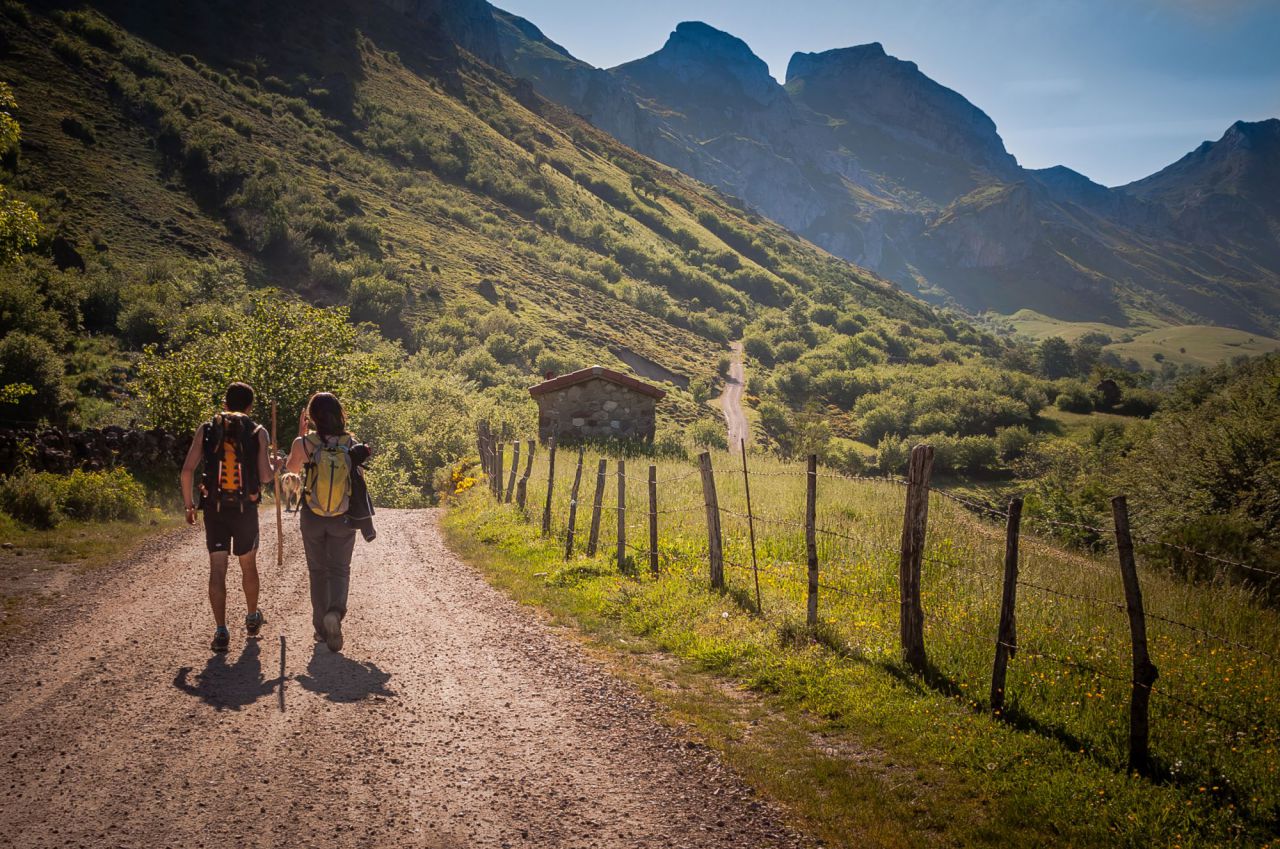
230,451
326,482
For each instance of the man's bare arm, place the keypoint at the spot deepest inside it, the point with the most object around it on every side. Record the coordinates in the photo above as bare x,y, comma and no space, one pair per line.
187,477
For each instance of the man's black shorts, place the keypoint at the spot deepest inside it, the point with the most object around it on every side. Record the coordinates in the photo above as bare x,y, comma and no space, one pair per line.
231,528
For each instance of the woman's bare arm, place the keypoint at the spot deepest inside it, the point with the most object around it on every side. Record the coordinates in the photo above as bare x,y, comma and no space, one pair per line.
297,456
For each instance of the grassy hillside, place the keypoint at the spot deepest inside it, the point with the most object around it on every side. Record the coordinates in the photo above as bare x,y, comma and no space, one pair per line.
1151,346
187,162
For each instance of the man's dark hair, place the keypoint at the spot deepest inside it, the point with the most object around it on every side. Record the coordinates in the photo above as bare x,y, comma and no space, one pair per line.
239,397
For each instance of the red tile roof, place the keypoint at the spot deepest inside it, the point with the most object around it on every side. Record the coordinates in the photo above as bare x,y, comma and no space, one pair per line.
566,380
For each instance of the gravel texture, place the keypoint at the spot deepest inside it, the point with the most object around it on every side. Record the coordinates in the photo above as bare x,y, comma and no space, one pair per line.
452,718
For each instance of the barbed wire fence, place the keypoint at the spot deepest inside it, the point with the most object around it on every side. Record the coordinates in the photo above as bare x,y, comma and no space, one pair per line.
673,526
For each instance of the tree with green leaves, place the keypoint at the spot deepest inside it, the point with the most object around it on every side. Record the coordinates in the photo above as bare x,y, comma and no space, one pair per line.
1055,358
19,225
284,349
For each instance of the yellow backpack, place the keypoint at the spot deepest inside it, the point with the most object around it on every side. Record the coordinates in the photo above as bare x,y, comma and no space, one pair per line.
327,478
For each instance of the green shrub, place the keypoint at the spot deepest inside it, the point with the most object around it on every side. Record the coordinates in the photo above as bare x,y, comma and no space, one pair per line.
1074,397
101,496
1138,402
1013,442
78,129
31,498
705,433
379,300
892,453
758,348
480,366
33,361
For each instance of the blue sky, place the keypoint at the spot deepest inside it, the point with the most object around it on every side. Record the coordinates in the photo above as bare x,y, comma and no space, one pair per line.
1115,90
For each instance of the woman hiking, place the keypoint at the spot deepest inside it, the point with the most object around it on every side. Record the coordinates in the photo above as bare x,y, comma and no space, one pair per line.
334,505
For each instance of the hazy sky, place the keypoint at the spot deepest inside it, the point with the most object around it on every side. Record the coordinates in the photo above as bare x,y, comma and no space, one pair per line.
1115,89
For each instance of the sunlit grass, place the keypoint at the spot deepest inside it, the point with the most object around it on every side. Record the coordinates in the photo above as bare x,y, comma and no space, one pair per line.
1214,712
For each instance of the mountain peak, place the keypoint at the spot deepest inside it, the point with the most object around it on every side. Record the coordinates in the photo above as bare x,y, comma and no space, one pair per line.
805,64
1250,133
703,42
865,84
697,54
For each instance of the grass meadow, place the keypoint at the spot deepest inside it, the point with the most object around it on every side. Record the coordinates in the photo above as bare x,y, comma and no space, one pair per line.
1053,768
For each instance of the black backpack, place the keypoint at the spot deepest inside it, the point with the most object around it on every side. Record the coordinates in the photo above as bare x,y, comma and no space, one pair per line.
230,451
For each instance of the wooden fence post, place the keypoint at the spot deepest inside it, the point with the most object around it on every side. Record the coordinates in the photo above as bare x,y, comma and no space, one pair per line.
486,464
597,501
751,527
276,483
914,522
715,553
1144,671
522,486
573,507
622,514
653,520
515,468
1007,635
497,470
811,539
551,482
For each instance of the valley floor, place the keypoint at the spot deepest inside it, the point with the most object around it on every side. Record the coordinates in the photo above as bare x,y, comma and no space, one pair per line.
453,718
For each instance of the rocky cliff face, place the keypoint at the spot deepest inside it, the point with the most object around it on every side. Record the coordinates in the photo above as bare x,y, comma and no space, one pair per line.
1228,190
866,86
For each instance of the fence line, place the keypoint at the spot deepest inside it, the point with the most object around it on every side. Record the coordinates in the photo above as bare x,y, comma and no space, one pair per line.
647,520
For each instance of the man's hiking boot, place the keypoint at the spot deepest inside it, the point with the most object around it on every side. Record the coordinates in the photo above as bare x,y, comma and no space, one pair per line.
221,639
333,631
253,623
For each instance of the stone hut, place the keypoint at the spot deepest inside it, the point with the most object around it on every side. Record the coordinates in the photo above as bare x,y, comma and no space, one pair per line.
596,403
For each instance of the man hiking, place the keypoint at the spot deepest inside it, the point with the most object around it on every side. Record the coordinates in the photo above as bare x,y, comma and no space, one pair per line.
234,450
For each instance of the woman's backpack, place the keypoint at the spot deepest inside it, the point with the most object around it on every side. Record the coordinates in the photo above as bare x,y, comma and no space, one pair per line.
326,480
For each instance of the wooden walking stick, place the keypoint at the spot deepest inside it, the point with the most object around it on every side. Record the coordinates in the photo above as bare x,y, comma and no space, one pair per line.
275,475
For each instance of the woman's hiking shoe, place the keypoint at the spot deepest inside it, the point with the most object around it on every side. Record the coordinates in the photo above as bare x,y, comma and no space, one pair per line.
333,631
221,639
253,623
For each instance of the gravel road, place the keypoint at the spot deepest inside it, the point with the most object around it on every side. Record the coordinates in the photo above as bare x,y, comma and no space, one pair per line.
453,718
731,399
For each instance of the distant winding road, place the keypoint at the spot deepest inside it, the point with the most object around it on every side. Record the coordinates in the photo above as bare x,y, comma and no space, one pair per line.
731,399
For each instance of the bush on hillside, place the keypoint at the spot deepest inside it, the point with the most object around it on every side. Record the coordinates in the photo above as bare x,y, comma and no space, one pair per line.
30,360
705,433
1074,397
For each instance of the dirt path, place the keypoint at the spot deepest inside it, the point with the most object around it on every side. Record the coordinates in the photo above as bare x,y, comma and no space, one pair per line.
731,399
454,718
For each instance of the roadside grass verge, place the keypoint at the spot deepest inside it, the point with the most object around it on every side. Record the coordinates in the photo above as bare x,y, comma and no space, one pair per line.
861,751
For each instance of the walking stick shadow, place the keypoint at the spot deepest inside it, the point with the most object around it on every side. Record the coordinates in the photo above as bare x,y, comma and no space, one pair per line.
340,679
225,686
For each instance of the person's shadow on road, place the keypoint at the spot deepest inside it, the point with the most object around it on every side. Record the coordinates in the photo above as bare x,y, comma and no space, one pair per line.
225,686
340,679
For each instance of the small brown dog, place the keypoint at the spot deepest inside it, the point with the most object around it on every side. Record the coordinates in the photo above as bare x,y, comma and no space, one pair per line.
291,490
